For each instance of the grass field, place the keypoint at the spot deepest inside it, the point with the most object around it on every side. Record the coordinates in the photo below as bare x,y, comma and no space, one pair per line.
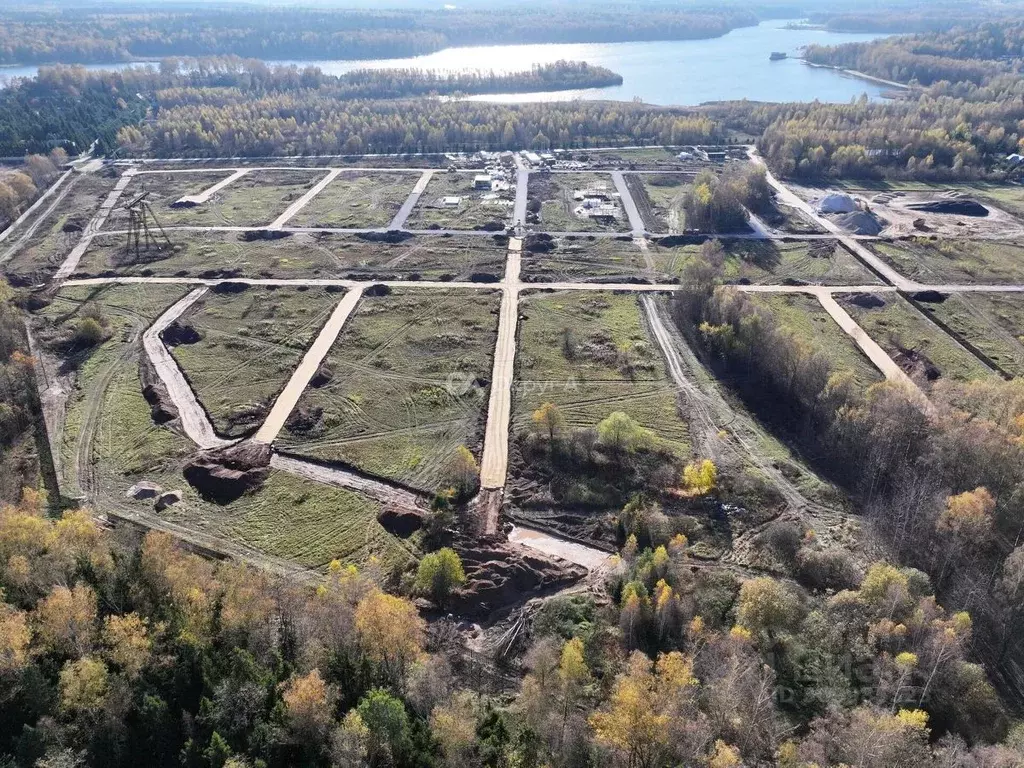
992,322
58,233
106,368
311,524
251,342
302,255
408,384
590,355
473,212
822,262
554,192
357,199
663,208
804,317
254,200
955,261
583,258
913,342
162,191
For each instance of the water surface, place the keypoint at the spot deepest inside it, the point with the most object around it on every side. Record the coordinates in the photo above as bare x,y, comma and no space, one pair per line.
676,72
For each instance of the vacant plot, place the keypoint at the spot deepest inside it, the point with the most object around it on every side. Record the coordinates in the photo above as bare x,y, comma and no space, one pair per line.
917,346
818,262
34,261
660,198
404,386
303,255
991,323
162,191
97,367
474,209
582,258
254,200
553,196
1009,197
239,349
589,354
357,199
955,261
804,317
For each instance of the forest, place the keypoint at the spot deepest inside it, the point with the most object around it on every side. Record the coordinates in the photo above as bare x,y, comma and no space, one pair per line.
90,35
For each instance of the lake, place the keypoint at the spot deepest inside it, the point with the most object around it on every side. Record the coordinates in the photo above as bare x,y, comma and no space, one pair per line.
676,72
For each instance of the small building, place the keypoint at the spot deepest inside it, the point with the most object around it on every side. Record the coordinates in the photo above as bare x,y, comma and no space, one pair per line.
592,193
547,157
532,158
451,202
482,181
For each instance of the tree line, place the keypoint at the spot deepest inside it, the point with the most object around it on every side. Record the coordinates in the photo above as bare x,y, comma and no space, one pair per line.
95,35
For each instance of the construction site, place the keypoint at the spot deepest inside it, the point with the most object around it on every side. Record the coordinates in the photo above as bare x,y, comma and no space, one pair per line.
291,364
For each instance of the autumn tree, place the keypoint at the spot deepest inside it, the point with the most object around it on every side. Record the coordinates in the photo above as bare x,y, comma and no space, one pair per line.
390,632
699,477
621,434
642,722
549,418
767,607
65,620
439,574
309,704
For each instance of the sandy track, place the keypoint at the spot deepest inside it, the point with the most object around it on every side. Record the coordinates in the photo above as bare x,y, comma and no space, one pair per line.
209,192
636,221
494,467
303,201
194,421
297,384
410,202
589,557
71,262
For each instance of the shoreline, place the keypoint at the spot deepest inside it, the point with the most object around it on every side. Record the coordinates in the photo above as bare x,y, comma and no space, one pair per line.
858,74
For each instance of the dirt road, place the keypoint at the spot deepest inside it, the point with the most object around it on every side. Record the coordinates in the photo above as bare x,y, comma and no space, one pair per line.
303,201
297,384
494,467
206,194
194,421
410,202
58,185
93,227
867,345
636,221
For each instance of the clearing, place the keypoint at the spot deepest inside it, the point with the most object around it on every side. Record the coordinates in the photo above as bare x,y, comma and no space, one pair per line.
405,384
958,261
582,258
357,199
991,323
304,255
920,348
238,350
766,262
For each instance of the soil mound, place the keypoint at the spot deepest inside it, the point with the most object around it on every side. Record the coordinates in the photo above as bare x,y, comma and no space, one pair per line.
263,234
916,364
929,296
867,300
499,574
539,243
223,475
860,223
400,522
180,333
230,287
161,407
954,207
391,236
